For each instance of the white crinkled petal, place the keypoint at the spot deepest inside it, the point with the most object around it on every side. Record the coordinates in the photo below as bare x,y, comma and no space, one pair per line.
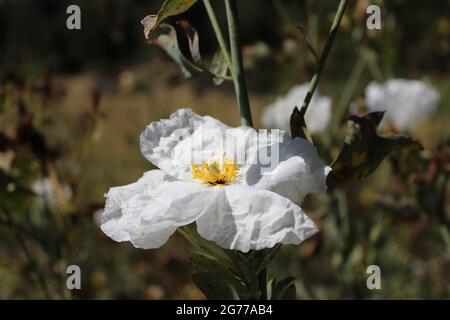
246,218
119,219
299,171
167,144
406,102
278,114
174,144
148,211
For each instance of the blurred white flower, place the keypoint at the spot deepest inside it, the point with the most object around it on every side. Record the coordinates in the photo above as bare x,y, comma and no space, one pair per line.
47,195
97,216
406,102
291,47
235,205
318,115
44,190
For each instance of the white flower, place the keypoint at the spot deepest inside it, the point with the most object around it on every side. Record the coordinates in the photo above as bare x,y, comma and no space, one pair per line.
406,102
318,115
233,204
48,195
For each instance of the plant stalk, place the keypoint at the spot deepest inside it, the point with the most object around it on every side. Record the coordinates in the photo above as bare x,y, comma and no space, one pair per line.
240,85
262,283
218,32
324,55
349,89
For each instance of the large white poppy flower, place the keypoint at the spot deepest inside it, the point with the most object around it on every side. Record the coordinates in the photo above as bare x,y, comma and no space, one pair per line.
200,178
406,102
317,117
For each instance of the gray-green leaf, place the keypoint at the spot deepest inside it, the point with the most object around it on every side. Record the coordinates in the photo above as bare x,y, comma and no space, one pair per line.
169,8
168,41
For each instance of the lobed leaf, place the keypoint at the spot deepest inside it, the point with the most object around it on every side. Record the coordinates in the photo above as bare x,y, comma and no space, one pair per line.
218,68
168,41
364,149
169,8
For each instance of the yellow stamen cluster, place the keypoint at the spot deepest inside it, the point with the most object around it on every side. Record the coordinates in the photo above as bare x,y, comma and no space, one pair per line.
216,172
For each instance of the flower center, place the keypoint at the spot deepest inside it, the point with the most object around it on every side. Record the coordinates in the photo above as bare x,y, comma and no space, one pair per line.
216,172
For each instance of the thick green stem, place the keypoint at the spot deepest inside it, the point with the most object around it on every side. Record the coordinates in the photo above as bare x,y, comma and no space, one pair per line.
324,55
218,32
238,74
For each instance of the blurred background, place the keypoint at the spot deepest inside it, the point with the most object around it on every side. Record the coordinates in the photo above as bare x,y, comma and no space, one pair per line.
73,103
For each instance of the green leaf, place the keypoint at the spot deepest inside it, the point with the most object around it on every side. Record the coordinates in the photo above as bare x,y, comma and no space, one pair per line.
270,288
205,263
169,8
227,257
219,67
266,256
364,149
213,287
168,41
236,272
284,289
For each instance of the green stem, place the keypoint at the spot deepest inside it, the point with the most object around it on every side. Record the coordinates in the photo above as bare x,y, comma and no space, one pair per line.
238,74
373,66
324,55
262,283
349,89
218,32
366,60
